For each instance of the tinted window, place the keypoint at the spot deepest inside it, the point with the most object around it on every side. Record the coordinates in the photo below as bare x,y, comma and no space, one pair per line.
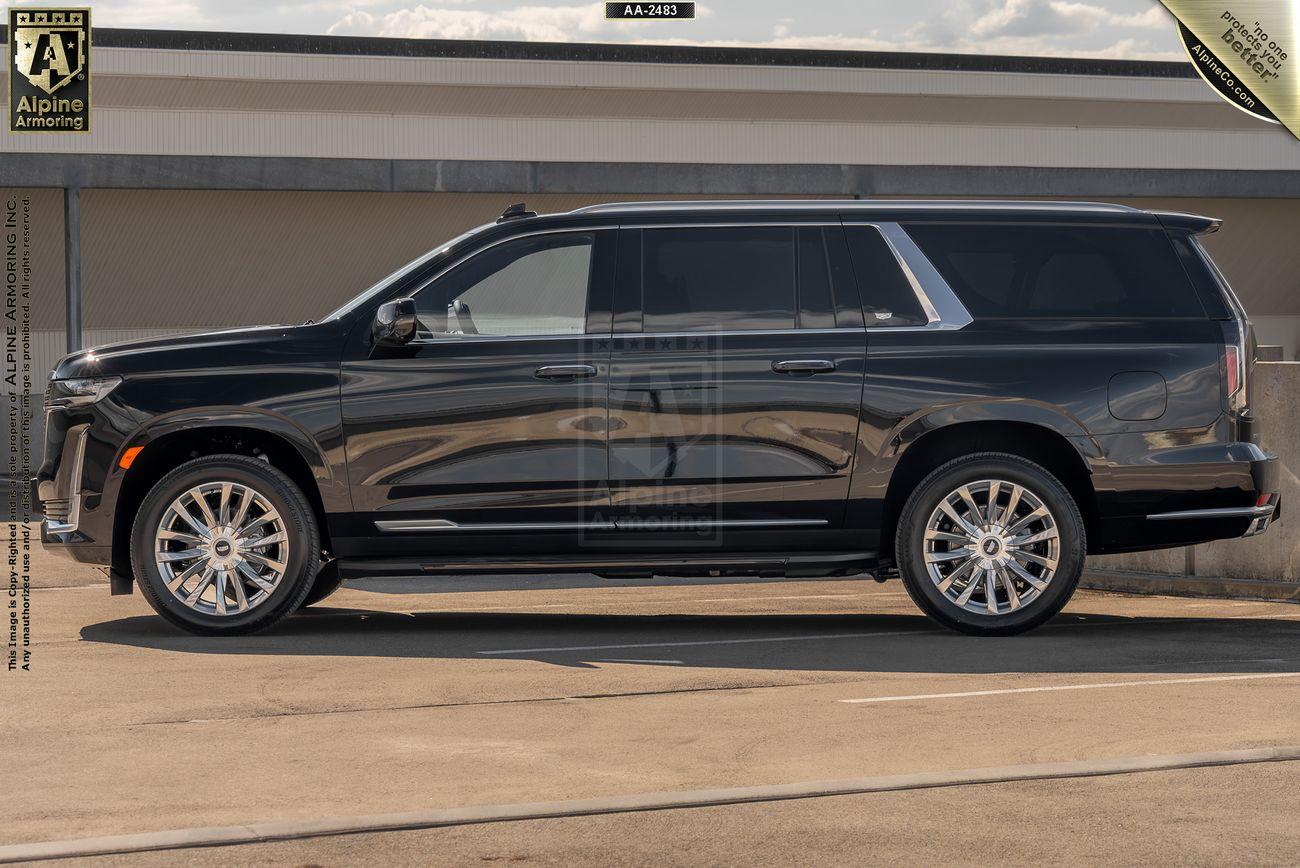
1060,271
718,279
530,286
887,296
816,305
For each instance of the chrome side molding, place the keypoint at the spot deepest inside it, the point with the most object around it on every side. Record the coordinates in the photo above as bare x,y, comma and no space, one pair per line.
1226,512
1260,516
440,524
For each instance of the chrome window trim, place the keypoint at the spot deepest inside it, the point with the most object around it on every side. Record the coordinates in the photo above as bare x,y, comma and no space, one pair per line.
442,524
455,339
74,480
943,310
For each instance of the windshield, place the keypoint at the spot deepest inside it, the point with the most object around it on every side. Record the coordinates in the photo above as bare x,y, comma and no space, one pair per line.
361,297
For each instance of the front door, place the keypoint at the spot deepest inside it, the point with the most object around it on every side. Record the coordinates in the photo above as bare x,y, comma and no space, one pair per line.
734,395
493,419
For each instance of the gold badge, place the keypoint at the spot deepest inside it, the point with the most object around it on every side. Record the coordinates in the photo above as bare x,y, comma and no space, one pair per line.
1245,49
49,72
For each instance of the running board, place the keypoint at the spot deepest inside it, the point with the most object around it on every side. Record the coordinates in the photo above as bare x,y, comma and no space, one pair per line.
757,564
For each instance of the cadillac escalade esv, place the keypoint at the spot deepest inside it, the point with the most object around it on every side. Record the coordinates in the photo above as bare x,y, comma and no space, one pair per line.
970,395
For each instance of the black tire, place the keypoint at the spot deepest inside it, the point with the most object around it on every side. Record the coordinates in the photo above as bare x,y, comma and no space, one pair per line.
327,581
299,521
909,545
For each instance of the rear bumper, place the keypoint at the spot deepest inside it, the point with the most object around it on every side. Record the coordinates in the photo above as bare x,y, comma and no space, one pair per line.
1228,491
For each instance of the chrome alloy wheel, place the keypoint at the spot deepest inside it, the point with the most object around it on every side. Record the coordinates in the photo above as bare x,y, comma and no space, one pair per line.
221,548
991,547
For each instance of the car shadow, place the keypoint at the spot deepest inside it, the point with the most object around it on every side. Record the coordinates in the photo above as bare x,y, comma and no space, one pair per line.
862,643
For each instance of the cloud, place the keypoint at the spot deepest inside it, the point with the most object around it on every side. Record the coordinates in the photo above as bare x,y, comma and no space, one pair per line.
529,23
1126,49
1060,17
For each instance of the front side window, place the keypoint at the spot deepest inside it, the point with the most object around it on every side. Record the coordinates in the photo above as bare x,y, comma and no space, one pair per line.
725,279
1045,271
529,286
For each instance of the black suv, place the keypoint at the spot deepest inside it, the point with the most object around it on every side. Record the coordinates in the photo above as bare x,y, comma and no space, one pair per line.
972,394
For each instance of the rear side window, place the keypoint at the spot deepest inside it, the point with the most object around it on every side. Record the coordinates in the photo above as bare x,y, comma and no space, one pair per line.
887,297
699,279
1044,271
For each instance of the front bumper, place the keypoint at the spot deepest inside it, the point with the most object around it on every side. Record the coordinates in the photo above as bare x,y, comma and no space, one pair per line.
60,490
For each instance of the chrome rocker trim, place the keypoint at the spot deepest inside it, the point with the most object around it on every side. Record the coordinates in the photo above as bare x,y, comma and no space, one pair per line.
440,524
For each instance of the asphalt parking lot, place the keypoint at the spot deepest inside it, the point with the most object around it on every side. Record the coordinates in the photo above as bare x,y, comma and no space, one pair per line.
428,694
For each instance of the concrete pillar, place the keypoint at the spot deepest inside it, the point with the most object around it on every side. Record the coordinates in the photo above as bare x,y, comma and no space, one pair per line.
72,267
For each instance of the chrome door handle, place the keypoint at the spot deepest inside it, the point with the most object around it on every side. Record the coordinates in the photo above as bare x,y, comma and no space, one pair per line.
565,372
804,366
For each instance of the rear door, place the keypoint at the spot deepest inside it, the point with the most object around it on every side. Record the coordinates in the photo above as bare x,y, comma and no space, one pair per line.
735,377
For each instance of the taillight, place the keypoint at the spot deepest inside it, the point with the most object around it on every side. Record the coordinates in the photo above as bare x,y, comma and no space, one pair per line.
1234,372
1236,377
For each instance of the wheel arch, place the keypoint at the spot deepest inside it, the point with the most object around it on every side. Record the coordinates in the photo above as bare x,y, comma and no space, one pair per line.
169,445
933,447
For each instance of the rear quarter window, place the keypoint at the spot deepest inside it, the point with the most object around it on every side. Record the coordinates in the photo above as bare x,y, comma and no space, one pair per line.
1051,271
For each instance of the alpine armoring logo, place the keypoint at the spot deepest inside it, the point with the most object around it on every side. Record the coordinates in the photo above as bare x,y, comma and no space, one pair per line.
49,70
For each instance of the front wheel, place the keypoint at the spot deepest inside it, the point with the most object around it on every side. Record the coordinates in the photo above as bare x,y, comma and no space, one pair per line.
225,544
990,544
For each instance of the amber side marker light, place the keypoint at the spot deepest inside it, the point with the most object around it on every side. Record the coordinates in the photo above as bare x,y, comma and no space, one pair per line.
128,457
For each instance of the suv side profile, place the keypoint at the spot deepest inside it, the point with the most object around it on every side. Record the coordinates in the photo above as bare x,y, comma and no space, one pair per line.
972,395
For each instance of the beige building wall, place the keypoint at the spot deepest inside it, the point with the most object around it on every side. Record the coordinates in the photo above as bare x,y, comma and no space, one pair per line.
173,260
179,260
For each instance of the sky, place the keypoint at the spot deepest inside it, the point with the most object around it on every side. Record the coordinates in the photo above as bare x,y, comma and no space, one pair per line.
1138,29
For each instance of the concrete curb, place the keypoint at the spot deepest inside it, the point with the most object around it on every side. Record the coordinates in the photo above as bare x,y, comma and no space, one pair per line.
216,836
1190,586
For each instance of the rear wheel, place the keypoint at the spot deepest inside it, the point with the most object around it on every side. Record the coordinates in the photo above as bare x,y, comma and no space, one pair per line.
990,544
222,545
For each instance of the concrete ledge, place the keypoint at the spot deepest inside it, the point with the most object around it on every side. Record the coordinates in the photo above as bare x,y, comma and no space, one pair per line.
1190,586
219,836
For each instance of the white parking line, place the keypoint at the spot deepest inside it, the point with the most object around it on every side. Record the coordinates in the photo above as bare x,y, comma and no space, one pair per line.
630,660
805,638
1102,685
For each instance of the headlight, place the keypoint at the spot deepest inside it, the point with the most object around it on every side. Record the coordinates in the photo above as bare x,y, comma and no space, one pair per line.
79,392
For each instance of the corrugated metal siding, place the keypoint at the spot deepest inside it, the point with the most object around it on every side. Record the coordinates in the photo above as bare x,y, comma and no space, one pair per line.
288,133
684,76
262,104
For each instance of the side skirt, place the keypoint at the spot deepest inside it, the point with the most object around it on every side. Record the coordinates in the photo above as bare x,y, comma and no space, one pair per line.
811,564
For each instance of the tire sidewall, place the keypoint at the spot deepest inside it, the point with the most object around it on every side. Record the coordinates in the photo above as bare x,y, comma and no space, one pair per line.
299,524
910,543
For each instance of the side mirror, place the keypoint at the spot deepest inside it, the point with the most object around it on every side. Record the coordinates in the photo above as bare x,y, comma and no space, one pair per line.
395,323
